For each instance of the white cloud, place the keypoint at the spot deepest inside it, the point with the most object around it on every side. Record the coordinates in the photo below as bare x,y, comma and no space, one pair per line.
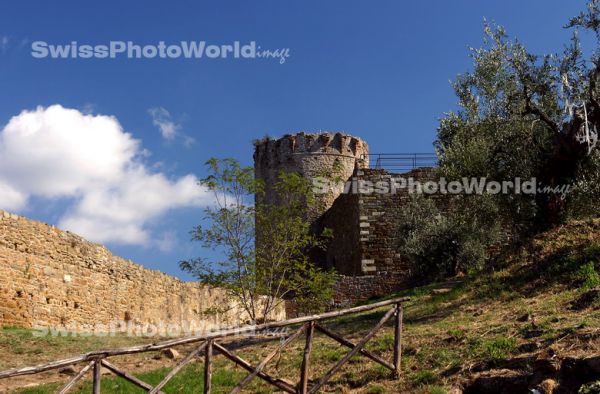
188,141
56,152
10,198
161,118
167,242
169,130
4,43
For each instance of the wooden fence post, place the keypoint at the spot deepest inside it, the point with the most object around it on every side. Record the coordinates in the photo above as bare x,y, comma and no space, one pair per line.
304,372
97,376
398,341
315,387
208,366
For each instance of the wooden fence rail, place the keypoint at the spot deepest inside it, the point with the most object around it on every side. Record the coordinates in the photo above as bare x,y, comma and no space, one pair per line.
208,347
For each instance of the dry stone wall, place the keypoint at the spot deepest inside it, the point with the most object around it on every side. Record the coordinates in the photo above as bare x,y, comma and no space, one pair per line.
379,219
53,278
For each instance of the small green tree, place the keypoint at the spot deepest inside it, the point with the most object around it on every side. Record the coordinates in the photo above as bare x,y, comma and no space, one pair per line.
260,275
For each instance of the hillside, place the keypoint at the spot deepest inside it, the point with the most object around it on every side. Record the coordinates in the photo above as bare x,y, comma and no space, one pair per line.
534,322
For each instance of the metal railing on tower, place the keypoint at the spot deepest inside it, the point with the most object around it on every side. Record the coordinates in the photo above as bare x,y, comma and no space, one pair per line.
402,162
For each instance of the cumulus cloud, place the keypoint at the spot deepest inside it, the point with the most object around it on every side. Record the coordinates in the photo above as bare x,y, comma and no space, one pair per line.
10,198
161,118
56,152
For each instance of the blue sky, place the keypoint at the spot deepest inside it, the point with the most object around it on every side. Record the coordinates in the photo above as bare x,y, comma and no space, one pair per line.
379,70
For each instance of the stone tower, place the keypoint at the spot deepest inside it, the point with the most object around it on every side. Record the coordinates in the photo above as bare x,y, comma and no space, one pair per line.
310,155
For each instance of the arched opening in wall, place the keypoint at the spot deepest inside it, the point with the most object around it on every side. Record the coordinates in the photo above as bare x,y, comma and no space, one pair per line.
127,316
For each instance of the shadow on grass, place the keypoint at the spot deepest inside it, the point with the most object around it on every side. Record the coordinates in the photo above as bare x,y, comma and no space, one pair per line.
557,268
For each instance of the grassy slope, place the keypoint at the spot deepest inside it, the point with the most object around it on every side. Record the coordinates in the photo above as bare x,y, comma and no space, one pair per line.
451,330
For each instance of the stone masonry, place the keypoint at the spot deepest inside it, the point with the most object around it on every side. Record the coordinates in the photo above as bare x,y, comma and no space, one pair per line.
310,155
363,251
49,277
366,251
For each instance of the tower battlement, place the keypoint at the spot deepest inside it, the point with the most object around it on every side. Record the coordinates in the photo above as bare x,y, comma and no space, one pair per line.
310,155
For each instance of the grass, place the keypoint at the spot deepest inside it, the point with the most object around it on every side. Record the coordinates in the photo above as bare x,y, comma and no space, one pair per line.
32,347
499,348
425,377
189,380
484,320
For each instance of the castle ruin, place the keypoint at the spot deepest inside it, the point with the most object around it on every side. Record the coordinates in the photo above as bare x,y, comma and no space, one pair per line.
364,249
55,278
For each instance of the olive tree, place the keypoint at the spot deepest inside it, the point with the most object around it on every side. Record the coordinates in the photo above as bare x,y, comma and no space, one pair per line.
528,116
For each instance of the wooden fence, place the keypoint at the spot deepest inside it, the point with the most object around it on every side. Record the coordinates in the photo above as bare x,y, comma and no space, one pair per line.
208,347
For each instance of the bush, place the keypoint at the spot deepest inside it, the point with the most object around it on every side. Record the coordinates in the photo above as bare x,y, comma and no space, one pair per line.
446,243
591,388
588,276
262,248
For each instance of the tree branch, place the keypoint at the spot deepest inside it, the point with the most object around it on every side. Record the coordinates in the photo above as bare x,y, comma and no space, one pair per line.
592,85
531,108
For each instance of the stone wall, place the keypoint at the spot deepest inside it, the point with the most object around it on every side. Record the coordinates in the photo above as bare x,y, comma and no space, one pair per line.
344,250
379,218
49,277
335,155
349,290
364,250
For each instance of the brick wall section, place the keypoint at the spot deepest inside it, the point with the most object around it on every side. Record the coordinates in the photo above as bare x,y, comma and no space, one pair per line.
365,248
379,217
49,277
352,289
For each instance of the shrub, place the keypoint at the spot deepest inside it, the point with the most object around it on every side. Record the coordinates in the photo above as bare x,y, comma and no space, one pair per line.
591,388
446,243
262,248
588,276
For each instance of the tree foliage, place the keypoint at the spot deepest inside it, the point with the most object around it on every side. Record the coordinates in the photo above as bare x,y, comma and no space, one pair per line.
444,243
260,275
527,116
520,115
